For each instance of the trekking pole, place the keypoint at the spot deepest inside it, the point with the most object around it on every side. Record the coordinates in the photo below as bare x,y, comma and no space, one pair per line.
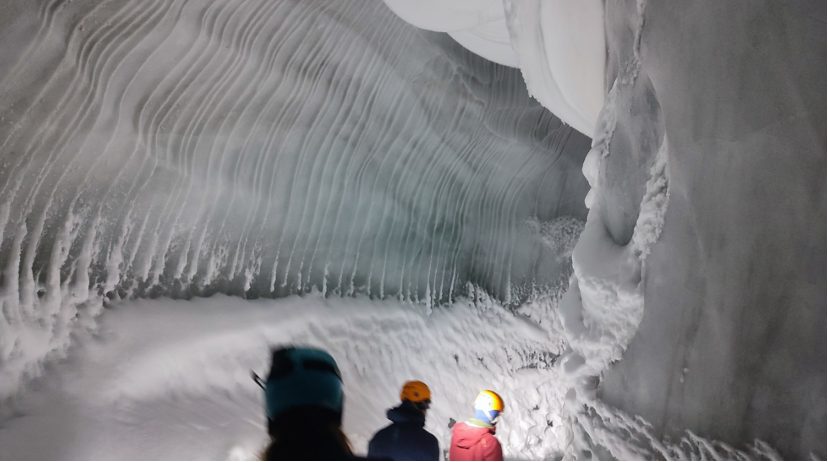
257,379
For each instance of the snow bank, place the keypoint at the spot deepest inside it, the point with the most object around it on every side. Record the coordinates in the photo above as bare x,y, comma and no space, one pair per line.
170,379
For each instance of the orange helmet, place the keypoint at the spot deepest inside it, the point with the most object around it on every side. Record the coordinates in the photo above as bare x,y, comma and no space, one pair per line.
415,391
487,401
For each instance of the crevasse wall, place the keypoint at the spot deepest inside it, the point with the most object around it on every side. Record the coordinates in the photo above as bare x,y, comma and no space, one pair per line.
732,340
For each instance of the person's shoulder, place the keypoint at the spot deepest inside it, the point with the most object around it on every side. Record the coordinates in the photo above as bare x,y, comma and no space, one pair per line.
384,429
430,436
429,439
490,437
380,438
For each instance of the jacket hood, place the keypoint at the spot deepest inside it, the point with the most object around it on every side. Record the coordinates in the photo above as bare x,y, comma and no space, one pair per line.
467,435
406,413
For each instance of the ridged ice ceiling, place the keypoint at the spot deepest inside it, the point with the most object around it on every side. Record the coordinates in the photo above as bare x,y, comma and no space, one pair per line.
269,148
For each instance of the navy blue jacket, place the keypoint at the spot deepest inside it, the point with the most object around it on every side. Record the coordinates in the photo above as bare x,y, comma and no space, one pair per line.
405,439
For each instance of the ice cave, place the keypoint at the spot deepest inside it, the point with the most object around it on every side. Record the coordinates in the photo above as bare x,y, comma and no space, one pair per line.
612,212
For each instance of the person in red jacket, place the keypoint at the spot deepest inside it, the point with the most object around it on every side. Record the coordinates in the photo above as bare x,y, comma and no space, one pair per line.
474,439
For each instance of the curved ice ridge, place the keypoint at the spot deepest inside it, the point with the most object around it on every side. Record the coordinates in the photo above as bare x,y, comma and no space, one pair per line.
558,45
258,148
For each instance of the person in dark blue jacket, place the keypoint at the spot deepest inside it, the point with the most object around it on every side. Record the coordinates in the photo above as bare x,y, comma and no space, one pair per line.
405,438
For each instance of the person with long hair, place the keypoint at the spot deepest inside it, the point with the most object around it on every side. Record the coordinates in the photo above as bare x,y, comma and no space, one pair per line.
304,401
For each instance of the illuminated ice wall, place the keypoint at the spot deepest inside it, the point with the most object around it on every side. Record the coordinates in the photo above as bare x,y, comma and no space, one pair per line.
263,148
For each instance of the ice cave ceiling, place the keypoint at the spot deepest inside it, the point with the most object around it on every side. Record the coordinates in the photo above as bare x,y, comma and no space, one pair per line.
272,148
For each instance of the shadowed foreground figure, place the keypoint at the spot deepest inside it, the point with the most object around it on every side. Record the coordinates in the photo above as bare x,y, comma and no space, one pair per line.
304,399
405,438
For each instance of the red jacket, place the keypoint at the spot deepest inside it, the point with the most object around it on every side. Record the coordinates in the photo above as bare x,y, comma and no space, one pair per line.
469,442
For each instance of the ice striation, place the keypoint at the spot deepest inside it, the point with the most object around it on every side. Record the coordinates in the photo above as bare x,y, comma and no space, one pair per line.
262,149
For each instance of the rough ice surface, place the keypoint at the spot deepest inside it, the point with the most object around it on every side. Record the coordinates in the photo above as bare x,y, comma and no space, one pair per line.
189,148
732,341
656,295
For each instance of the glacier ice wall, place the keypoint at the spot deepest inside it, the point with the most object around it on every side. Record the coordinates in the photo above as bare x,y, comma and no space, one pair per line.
732,340
258,148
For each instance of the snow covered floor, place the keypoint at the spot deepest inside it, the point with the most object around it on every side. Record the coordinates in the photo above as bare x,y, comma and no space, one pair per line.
170,379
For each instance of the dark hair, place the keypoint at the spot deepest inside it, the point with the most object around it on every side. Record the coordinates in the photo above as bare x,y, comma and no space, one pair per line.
307,433
422,405
418,405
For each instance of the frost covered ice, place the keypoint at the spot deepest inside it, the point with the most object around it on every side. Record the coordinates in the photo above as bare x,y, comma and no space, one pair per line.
732,340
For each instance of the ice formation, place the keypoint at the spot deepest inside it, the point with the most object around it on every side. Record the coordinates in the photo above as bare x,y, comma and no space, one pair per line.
732,340
558,45
185,149
657,293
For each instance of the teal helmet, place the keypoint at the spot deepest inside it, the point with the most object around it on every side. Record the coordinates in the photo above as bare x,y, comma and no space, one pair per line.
303,377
